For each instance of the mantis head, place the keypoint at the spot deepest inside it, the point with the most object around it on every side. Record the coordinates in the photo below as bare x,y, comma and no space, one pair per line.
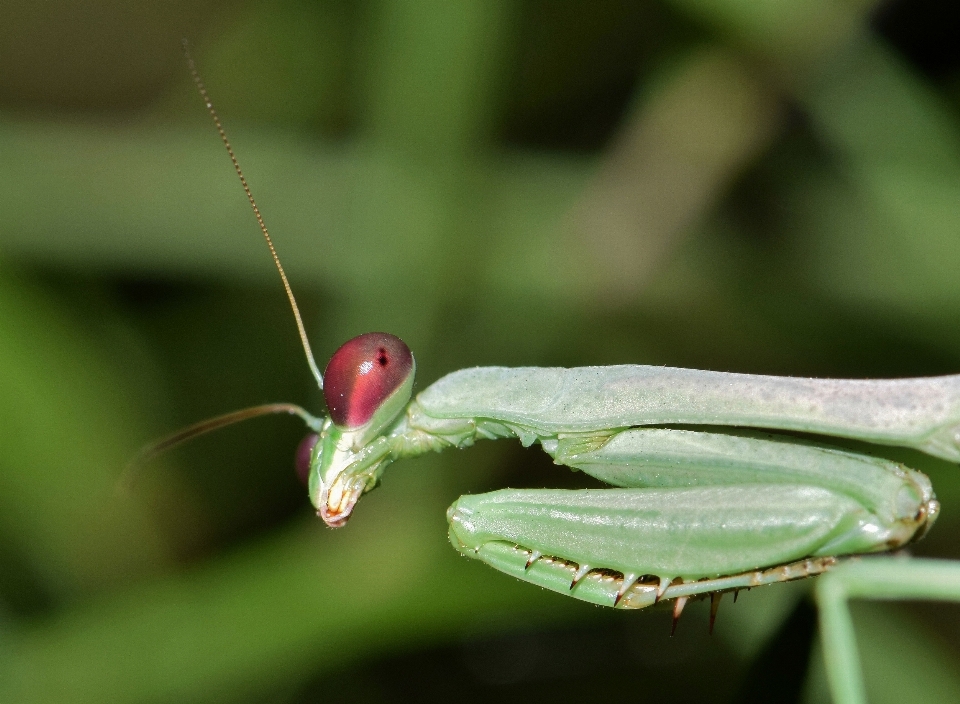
367,385
369,381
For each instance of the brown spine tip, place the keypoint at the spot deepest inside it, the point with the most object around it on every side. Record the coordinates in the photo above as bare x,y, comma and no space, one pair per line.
714,605
629,579
677,610
581,572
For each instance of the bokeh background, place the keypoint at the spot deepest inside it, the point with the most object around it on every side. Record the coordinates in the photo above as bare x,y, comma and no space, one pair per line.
769,186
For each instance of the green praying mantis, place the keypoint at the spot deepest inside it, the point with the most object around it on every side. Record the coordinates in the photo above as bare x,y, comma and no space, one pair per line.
710,493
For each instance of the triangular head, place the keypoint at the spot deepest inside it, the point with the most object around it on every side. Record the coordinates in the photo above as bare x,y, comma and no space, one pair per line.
367,385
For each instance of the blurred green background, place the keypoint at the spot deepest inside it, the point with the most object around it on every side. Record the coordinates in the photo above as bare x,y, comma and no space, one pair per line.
768,186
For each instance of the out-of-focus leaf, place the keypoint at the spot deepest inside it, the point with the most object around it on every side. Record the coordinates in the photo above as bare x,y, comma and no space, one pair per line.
67,427
901,660
273,613
903,163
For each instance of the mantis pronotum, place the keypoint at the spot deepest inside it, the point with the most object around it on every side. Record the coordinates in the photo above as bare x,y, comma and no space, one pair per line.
706,500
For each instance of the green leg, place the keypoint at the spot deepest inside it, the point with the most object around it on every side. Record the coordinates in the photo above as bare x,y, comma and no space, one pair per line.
872,578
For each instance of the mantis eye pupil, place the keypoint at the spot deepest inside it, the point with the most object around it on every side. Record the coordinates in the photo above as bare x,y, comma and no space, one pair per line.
304,452
362,374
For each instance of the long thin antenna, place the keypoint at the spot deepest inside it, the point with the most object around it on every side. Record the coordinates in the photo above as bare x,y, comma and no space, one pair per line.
256,211
146,454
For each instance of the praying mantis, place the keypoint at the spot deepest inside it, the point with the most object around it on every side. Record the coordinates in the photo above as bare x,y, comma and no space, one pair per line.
711,489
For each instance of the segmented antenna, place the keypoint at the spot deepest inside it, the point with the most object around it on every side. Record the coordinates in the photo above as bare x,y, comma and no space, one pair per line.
256,211
131,471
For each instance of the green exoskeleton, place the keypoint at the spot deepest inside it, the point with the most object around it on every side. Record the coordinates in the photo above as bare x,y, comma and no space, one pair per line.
706,496
695,511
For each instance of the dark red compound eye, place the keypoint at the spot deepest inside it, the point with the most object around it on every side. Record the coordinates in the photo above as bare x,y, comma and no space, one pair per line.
362,374
302,461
